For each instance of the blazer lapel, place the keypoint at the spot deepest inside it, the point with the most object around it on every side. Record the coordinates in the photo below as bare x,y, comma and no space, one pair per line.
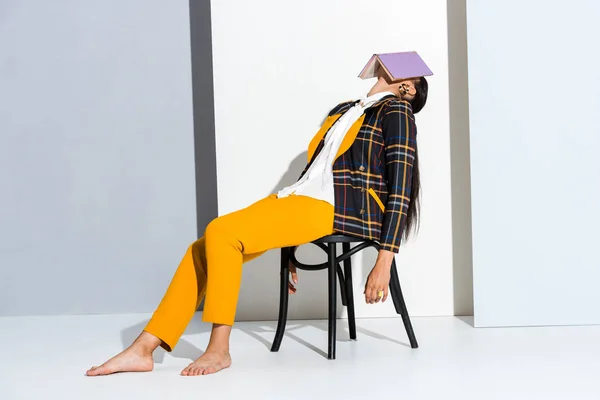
312,147
355,128
350,136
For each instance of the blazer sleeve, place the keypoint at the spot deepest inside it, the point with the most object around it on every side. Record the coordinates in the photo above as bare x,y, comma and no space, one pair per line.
399,132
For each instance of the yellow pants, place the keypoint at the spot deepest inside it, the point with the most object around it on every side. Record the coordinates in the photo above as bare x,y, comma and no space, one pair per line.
213,264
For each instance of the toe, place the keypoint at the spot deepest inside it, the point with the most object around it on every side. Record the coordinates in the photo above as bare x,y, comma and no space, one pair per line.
189,370
210,370
93,372
101,370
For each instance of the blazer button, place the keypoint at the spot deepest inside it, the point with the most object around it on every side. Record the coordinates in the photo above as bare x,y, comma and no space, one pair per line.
362,211
361,168
363,190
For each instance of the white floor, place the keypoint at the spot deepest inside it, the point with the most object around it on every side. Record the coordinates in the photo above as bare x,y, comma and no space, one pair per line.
45,358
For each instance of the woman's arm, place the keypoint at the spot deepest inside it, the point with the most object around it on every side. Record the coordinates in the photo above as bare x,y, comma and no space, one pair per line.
399,132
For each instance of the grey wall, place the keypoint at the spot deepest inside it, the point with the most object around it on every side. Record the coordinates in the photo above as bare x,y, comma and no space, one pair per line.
204,113
96,154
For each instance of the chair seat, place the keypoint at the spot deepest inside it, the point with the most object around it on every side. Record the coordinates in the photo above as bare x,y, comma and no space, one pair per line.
325,241
340,238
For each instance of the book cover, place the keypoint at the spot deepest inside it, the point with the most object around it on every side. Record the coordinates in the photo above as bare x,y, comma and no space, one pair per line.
397,66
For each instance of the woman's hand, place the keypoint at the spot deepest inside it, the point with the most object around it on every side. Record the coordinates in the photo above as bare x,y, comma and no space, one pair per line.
379,278
294,278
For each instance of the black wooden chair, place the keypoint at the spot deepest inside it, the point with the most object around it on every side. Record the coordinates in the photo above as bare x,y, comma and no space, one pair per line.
328,244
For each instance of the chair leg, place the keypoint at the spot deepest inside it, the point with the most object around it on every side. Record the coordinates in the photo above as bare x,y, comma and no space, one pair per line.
332,269
283,298
400,305
341,278
349,293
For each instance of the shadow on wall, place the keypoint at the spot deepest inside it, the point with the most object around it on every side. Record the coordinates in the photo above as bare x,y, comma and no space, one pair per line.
259,294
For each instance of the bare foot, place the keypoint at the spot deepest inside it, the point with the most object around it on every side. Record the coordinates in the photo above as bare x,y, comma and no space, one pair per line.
130,360
208,363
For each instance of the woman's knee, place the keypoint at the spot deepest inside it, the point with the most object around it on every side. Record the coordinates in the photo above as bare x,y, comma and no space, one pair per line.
215,228
223,230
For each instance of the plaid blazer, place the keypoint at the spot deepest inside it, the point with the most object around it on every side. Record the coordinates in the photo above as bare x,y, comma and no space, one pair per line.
372,170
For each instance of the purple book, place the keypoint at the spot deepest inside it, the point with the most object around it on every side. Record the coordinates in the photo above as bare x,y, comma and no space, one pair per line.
397,66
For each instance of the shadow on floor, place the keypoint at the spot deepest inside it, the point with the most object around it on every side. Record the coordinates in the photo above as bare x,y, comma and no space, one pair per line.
467,319
183,349
342,333
186,350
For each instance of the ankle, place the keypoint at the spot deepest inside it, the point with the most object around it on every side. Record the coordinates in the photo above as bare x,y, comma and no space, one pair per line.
143,349
146,343
218,349
219,339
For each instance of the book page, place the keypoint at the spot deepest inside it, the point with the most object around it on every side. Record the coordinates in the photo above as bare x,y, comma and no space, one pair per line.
370,70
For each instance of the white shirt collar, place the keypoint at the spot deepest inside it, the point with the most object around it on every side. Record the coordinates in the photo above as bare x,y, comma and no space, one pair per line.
367,102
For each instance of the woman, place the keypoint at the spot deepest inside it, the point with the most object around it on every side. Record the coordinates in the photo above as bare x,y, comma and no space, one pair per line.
362,179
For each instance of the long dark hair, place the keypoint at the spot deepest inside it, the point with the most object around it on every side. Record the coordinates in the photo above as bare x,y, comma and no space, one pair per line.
414,206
